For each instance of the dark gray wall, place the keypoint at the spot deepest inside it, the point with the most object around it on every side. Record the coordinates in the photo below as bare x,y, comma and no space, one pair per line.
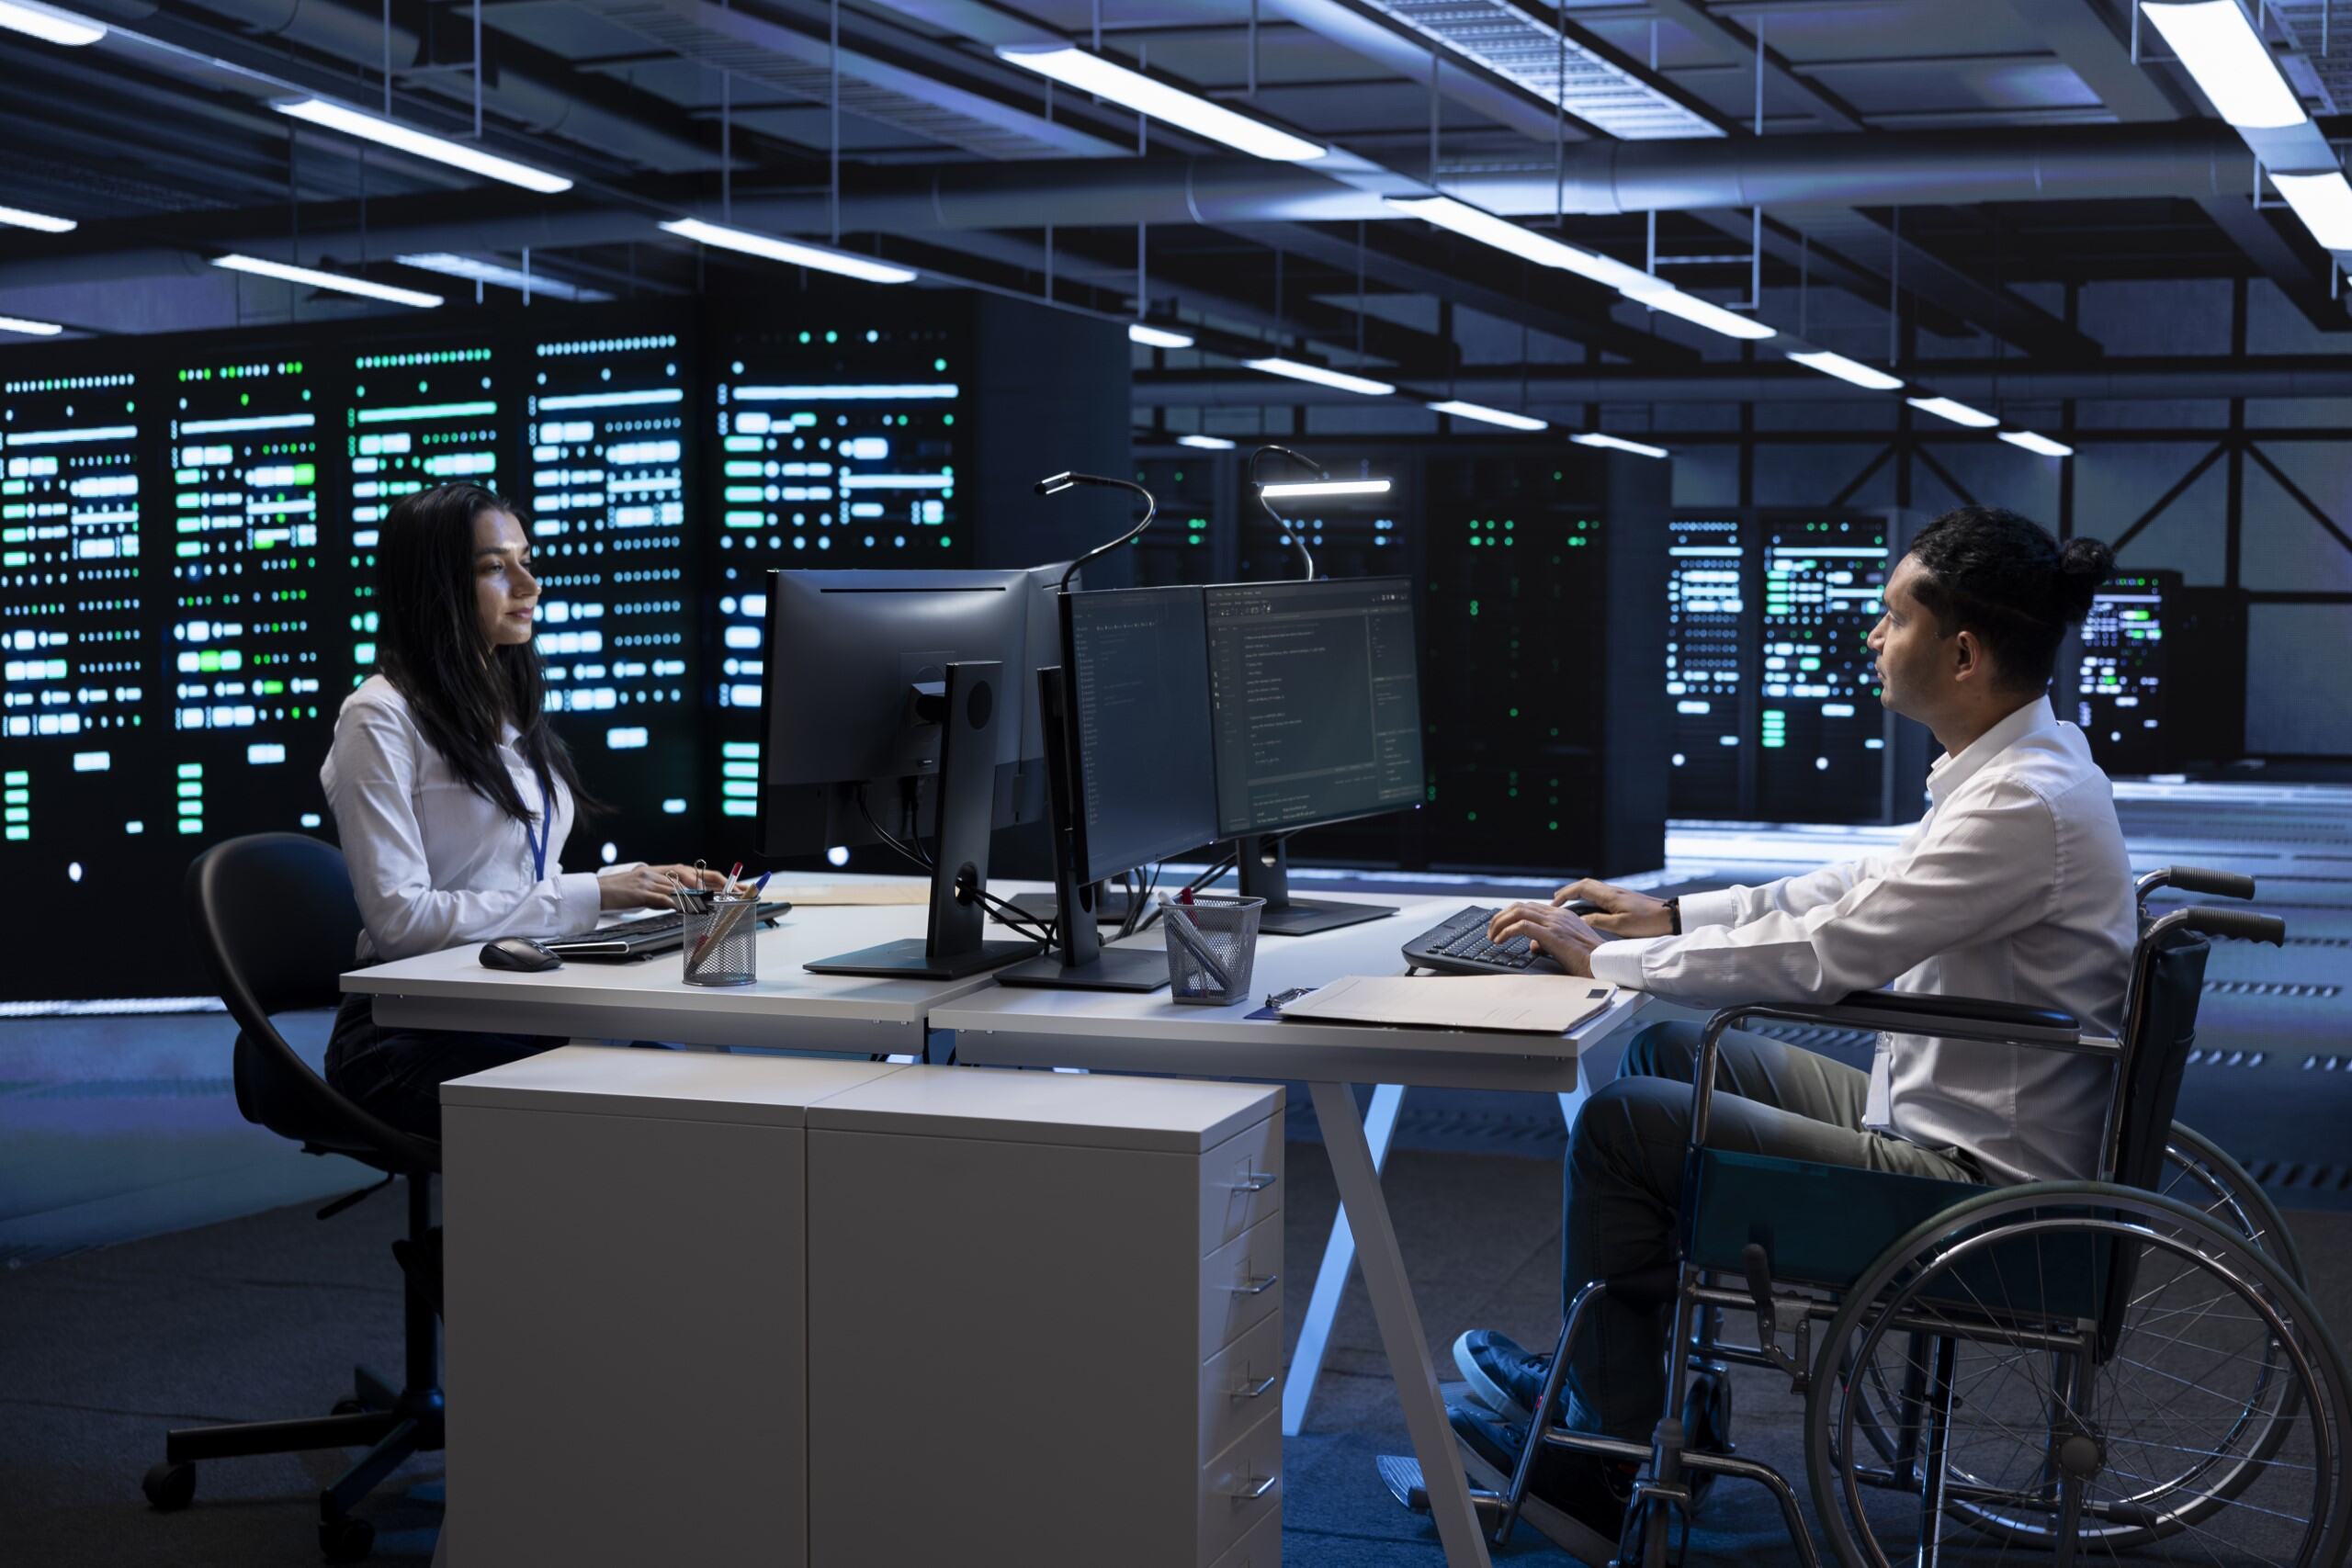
1053,393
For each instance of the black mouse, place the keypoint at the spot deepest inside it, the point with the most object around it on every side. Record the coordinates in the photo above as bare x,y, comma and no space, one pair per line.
517,953
1580,906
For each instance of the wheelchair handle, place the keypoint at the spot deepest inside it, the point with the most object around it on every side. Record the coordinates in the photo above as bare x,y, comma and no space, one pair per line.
2243,924
2198,879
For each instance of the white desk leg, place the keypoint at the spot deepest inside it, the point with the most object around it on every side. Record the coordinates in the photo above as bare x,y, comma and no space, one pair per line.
1331,1279
1400,1327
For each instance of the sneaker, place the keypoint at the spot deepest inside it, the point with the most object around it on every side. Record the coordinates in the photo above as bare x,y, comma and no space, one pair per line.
1576,1499
1503,1376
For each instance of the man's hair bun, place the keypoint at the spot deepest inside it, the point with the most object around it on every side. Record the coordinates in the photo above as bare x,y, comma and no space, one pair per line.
2083,564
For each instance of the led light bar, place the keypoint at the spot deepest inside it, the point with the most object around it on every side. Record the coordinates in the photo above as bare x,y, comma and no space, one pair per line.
18,217
1325,487
1205,443
422,144
1846,369
2041,444
791,251
2219,48
2324,204
1186,111
450,265
1619,444
1958,413
1698,313
1156,337
1474,223
1322,378
336,281
30,329
1492,416
49,24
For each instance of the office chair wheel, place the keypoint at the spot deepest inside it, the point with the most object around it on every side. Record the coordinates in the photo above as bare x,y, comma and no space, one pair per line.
169,1487
346,1540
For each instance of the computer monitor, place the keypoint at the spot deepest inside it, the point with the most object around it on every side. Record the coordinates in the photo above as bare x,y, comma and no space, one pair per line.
1127,728
1315,692
896,701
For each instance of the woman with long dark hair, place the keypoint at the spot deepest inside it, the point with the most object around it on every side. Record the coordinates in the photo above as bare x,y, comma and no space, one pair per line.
451,794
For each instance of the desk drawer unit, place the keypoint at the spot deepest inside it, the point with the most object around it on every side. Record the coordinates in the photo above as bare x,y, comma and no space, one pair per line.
1045,1322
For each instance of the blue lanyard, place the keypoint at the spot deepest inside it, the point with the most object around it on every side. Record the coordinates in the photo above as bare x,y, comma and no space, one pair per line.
538,840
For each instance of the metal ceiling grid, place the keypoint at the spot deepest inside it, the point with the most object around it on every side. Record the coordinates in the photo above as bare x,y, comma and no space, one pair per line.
1536,55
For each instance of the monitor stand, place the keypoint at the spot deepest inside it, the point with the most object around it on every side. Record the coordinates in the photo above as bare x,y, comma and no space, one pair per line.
1079,961
1110,905
1265,873
966,708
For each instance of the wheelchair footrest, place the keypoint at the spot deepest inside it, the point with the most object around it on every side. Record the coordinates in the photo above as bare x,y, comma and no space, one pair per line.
1401,1473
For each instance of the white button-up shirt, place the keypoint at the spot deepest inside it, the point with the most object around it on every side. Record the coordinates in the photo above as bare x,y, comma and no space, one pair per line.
434,864
2014,888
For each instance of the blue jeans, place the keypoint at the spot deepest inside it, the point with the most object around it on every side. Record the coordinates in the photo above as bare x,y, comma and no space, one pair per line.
396,1075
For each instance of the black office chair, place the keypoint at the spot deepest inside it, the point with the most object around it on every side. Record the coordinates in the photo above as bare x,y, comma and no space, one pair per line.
274,918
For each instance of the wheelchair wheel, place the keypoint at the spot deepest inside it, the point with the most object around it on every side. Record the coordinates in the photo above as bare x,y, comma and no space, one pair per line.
2196,1172
2091,1349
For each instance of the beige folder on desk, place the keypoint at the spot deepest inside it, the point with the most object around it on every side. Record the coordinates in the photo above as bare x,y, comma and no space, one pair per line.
1532,1004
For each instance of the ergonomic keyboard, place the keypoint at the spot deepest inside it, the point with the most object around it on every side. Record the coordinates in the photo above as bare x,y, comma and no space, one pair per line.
1458,945
624,941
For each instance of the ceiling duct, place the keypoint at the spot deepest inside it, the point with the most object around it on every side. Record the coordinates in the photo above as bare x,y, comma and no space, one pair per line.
1534,55
799,63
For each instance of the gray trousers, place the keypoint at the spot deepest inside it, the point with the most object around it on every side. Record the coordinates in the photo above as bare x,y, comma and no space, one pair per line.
1624,1187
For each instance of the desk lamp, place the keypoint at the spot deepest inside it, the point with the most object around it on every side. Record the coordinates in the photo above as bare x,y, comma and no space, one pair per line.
1322,484
1056,483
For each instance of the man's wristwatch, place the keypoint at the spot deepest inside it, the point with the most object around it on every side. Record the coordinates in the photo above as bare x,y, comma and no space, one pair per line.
1674,916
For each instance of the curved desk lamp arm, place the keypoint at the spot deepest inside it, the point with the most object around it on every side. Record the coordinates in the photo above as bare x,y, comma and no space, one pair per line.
1056,483
1298,535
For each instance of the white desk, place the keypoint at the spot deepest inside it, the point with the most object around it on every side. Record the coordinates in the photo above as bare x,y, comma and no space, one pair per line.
787,1008
1119,1032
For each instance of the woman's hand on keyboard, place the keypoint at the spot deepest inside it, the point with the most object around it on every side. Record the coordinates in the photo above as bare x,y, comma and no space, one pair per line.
649,886
1564,938
1619,911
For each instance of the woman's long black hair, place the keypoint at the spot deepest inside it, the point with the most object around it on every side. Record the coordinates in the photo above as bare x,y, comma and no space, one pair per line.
462,688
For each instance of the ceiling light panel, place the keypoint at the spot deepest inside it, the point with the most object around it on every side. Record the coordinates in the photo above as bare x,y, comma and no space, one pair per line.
2040,444
1958,413
1509,41
2217,45
466,155
1846,369
1619,444
49,24
1205,443
1149,96
18,217
1487,228
1485,416
792,253
2324,204
1297,371
500,276
30,329
336,281
1323,487
1156,337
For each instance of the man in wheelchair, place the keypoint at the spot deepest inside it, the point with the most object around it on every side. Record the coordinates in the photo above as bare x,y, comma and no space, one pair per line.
2014,887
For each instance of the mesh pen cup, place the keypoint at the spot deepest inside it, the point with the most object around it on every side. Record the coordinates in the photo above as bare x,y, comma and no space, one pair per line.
722,942
1211,943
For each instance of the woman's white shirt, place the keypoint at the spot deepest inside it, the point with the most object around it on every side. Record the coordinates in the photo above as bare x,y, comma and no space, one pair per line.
435,864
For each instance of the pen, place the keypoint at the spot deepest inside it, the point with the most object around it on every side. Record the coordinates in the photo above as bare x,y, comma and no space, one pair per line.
1189,937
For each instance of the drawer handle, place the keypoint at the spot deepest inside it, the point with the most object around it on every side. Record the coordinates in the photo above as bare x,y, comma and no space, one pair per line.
1243,1388
1256,1181
1257,1287
1246,1493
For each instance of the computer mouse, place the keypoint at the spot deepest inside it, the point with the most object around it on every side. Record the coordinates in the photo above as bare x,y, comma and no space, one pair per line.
1581,907
517,953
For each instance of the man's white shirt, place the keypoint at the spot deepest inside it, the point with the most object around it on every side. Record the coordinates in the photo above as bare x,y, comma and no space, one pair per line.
2014,888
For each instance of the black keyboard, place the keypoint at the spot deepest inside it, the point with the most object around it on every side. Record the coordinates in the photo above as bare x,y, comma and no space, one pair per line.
629,941
1458,945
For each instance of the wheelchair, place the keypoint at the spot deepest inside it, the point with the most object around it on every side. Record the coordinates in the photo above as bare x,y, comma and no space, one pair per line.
2060,1369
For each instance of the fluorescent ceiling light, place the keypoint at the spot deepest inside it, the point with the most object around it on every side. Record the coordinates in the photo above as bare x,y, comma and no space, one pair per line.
1156,337
1698,313
789,250
1958,413
1325,487
2041,444
1619,444
1322,378
49,24
1205,443
2218,46
450,265
1491,417
16,216
334,281
2324,204
456,154
30,329
1186,111
1846,369
1475,223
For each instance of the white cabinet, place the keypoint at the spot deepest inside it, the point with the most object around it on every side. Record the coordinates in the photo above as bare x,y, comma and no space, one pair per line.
1046,1319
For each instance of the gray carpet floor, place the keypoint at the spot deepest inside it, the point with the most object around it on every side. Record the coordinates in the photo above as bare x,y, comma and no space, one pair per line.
263,1316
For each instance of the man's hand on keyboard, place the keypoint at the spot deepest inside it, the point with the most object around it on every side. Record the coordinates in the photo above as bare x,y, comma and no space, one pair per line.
1564,938
1621,911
